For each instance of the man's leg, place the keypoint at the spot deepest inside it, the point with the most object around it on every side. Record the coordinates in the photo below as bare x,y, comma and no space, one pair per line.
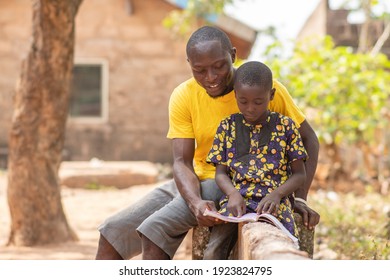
118,236
106,251
163,232
152,252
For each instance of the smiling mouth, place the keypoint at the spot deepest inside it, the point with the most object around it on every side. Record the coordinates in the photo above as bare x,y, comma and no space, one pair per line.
214,86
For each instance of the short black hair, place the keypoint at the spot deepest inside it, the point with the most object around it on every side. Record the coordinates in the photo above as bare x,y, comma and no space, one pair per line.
254,73
207,34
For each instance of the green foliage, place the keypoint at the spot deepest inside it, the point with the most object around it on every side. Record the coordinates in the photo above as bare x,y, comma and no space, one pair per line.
181,22
355,227
347,92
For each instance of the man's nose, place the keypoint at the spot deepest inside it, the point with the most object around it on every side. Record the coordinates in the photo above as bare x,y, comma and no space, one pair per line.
210,76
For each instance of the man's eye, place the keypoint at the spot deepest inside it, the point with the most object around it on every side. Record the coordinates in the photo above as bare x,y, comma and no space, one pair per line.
200,71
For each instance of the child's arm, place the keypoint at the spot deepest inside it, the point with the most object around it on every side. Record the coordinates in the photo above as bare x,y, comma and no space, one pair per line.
236,204
270,203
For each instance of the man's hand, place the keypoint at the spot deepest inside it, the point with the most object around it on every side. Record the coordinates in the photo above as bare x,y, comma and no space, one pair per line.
198,210
310,217
269,204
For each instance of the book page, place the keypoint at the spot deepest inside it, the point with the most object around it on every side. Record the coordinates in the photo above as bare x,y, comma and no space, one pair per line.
274,221
252,217
248,217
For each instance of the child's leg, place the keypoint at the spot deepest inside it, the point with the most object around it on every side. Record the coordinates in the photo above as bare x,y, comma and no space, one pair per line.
223,237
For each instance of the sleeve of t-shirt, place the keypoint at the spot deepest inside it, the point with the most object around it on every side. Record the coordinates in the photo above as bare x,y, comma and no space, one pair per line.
285,105
180,123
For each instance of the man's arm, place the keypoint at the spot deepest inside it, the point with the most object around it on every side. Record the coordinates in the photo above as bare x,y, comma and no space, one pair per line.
187,181
310,141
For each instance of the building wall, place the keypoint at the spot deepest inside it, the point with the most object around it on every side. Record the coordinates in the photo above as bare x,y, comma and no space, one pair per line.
315,25
145,63
325,21
15,25
347,34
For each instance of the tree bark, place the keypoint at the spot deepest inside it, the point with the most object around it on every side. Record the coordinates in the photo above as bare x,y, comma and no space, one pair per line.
200,239
38,128
262,241
363,37
306,236
382,39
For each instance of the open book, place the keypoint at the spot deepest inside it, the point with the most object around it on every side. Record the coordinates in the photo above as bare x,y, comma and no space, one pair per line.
253,217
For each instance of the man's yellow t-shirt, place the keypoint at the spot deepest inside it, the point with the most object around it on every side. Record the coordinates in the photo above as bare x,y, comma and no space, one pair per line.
194,114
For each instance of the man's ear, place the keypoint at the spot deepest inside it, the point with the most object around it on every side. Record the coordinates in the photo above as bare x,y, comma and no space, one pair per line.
233,54
272,94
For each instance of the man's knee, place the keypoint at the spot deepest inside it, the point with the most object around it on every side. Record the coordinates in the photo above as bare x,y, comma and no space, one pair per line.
106,251
150,251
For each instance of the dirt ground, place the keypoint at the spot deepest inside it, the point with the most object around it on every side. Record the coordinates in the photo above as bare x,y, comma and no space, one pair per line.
85,210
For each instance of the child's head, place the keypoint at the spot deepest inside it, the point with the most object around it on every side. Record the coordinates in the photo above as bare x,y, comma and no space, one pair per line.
253,87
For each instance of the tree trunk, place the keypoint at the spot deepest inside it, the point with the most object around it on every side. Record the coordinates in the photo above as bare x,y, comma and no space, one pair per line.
38,128
363,36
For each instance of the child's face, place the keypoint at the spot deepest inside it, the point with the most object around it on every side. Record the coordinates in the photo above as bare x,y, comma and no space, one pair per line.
253,102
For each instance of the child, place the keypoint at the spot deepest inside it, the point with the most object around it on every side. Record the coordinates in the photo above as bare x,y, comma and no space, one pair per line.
259,155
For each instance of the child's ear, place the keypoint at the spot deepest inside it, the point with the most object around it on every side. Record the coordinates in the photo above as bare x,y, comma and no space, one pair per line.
272,94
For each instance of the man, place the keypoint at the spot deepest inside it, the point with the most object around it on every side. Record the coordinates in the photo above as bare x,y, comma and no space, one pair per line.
163,217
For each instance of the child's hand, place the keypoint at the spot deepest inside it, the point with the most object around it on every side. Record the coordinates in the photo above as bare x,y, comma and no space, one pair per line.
236,204
269,204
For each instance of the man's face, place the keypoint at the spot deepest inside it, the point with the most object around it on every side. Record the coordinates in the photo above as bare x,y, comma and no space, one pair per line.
212,67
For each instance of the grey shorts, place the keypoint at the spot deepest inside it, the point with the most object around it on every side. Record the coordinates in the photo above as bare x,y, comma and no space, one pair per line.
162,215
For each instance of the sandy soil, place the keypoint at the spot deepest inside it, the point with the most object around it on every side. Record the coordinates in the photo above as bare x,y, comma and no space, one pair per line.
85,210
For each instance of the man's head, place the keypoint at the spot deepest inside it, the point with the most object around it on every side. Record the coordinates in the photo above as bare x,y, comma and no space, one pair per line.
253,86
211,56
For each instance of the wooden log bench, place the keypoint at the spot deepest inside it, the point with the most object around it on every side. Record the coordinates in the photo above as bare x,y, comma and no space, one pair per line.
261,241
